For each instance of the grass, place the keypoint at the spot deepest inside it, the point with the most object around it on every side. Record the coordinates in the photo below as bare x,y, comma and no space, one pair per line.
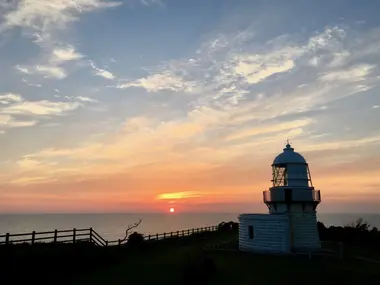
177,264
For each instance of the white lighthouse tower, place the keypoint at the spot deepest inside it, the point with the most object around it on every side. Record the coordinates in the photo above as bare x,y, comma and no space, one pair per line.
291,225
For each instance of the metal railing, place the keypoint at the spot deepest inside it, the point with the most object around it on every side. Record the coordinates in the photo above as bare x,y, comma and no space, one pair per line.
295,196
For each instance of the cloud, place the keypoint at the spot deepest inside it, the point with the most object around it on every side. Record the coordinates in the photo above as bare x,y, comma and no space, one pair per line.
102,72
65,54
179,195
41,18
23,69
355,73
48,71
159,82
46,15
43,107
258,67
7,121
269,128
23,181
51,71
86,99
10,98
52,67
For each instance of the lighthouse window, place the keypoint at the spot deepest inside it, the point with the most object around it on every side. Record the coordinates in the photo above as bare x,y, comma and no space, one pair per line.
250,232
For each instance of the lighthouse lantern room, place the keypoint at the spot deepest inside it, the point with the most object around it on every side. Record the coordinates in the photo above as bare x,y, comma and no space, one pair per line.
291,225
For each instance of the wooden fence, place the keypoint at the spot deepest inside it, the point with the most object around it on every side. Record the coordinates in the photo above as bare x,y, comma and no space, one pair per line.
89,235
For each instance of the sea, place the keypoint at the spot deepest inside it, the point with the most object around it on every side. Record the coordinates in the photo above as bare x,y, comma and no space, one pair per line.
112,226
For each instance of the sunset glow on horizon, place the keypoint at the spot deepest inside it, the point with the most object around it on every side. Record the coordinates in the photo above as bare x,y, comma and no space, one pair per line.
144,106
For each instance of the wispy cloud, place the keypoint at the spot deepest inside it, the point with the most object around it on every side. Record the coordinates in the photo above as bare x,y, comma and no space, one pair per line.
51,71
22,69
102,72
46,15
52,68
7,121
258,67
9,98
355,73
158,82
65,54
48,71
86,99
179,195
43,107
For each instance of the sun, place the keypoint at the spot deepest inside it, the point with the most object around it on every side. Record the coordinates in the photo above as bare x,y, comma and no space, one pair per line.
171,210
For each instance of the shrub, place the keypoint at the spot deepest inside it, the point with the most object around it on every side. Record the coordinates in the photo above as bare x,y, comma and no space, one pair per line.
136,239
229,226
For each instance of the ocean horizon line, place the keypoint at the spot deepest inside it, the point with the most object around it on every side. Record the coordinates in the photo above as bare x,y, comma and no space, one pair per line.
168,213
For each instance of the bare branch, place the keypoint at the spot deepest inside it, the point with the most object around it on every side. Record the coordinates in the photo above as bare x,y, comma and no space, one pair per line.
135,225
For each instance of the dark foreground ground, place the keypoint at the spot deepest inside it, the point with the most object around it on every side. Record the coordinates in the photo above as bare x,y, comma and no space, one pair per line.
188,265
186,260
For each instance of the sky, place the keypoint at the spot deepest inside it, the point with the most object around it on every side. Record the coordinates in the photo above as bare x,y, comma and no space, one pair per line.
144,105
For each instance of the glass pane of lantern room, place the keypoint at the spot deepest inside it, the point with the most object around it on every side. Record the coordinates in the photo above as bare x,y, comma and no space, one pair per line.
279,175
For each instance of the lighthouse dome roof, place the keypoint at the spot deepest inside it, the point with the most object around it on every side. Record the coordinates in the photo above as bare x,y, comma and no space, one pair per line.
289,156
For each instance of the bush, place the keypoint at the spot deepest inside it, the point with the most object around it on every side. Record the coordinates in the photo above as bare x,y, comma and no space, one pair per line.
358,232
229,226
136,239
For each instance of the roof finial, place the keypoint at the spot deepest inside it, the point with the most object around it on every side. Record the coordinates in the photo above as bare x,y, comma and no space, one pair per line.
288,143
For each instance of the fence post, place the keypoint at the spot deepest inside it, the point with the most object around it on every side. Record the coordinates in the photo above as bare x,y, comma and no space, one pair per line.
106,242
188,232
192,231
183,233
119,242
164,235
7,238
90,234
156,236
171,234
33,236
74,231
148,237
55,236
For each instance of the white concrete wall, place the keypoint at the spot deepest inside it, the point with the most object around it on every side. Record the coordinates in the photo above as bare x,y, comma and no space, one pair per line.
271,233
305,235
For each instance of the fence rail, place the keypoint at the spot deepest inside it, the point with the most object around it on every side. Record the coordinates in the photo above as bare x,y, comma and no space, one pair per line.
89,235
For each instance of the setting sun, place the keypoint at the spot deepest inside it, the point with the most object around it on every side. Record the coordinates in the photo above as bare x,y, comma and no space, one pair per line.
171,210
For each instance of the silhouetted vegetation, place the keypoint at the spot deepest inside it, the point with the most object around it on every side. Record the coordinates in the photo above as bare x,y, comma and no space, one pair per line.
228,226
136,240
358,232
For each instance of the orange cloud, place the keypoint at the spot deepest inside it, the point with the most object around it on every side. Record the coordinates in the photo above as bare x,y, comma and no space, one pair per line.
178,195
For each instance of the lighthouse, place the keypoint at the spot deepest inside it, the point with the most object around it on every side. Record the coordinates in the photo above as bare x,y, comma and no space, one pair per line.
292,200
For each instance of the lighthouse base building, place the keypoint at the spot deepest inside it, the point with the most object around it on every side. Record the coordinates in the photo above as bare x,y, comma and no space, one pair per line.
291,225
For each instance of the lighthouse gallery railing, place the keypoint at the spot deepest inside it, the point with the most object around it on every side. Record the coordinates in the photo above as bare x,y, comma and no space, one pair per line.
296,196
